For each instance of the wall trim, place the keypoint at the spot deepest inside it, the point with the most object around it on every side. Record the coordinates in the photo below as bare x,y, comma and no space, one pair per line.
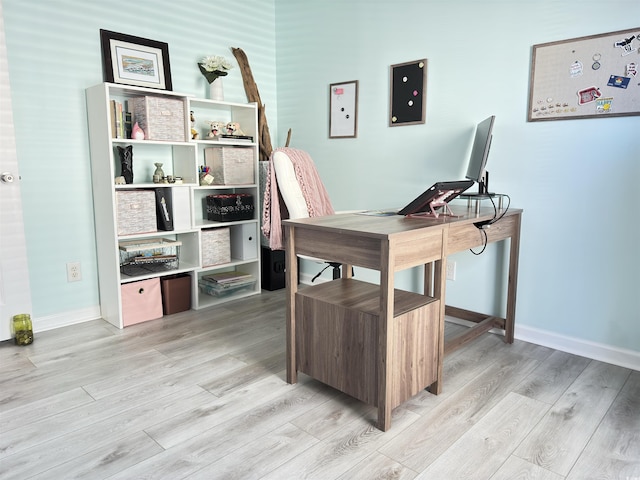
49,322
596,351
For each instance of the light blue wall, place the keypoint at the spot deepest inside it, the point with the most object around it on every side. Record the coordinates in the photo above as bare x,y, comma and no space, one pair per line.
54,54
579,260
576,180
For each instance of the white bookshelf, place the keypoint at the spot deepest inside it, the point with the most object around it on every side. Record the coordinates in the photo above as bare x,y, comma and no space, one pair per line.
180,159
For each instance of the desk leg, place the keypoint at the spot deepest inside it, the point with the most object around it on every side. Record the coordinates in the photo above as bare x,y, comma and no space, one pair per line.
385,339
512,283
438,287
347,270
428,279
291,266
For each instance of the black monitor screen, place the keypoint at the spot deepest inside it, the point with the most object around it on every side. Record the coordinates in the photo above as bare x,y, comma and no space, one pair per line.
480,150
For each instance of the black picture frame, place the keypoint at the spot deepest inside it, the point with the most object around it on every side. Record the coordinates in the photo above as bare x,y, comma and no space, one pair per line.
408,96
136,61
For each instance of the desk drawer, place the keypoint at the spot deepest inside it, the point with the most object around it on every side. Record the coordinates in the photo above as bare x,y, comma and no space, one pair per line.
339,247
411,248
463,237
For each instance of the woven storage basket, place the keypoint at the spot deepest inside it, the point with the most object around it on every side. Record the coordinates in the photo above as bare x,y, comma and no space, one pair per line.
228,207
160,118
216,246
230,165
144,256
136,211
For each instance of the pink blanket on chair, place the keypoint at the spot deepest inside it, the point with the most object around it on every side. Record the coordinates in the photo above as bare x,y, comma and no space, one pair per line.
313,190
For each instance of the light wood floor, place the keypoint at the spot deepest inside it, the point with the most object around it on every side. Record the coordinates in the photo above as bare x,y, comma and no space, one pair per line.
201,395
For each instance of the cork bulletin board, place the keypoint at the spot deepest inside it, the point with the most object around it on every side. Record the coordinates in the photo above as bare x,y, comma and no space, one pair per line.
587,77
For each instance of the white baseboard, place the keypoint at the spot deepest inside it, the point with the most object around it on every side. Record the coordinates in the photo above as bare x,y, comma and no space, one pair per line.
577,346
42,324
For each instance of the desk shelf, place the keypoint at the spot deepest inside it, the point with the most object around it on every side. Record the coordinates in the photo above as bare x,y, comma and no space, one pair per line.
337,335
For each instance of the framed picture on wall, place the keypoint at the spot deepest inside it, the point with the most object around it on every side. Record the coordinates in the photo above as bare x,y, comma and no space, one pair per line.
135,61
343,109
408,96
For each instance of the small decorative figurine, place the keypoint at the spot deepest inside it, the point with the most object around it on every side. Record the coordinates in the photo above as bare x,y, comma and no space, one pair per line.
215,129
158,174
194,132
126,162
137,133
233,128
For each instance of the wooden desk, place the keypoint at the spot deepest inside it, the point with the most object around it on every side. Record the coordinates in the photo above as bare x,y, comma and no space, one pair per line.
374,342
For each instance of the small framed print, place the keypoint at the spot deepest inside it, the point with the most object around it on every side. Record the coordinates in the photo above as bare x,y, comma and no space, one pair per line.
408,97
343,109
135,61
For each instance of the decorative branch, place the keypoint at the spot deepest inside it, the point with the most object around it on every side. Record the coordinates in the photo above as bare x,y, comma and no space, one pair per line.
253,95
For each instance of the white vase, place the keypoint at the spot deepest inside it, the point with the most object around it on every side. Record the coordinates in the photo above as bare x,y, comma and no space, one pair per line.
216,90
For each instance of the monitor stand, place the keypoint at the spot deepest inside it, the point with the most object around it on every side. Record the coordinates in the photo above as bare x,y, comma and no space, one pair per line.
483,194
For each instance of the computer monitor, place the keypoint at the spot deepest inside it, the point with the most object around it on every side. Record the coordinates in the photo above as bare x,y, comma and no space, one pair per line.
476,170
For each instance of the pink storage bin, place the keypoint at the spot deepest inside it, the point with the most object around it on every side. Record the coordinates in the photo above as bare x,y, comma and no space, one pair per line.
141,301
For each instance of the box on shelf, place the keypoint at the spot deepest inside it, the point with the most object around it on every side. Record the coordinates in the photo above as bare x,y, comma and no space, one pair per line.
136,211
230,165
176,293
244,241
161,118
141,301
230,207
216,246
226,283
164,208
141,257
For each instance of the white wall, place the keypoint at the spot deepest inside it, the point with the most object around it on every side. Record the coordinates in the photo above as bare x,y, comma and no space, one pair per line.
575,180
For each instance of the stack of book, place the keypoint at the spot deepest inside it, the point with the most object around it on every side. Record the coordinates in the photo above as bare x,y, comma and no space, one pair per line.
120,120
223,283
234,138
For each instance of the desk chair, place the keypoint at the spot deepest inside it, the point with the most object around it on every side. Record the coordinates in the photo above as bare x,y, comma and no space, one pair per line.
299,186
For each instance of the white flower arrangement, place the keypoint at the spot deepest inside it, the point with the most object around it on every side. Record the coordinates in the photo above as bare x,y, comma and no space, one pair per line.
214,66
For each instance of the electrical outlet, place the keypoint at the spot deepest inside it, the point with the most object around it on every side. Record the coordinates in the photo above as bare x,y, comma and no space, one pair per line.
74,274
451,270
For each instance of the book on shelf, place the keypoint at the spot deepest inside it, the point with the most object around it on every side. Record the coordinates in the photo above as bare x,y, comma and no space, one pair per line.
120,120
232,277
113,115
128,125
235,138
